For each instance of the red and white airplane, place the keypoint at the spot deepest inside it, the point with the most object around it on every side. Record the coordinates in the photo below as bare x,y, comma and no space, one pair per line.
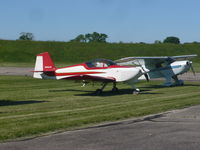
101,70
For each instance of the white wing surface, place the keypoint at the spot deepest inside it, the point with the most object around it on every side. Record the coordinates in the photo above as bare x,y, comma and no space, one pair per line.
152,62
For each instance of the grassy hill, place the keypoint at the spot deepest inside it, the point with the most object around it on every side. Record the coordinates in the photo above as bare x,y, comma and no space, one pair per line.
66,52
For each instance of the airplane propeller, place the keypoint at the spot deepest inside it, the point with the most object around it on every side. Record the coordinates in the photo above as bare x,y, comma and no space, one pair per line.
146,76
145,73
193,71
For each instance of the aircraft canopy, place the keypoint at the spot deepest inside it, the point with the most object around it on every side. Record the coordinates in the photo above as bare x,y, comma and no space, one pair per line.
100,63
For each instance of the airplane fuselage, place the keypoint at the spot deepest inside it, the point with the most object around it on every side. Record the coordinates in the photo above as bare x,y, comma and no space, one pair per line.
82,71
173,69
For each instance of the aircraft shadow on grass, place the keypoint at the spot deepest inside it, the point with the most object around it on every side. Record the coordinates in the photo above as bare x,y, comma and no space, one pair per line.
153,86
162,86
104,93
69,90
13,102
191,85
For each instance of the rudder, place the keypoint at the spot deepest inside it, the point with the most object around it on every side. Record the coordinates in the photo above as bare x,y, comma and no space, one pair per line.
43,64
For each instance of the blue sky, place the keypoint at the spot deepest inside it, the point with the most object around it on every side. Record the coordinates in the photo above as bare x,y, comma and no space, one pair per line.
121,20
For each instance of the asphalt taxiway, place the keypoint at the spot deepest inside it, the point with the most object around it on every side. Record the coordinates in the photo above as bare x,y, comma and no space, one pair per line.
175,130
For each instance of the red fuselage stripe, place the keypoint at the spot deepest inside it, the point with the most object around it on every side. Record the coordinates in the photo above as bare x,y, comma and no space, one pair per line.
92,68
77,73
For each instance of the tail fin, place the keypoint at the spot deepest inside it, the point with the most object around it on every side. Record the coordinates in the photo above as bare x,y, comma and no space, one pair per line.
43,64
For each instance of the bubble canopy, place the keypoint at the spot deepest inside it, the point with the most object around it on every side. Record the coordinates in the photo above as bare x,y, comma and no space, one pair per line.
100,63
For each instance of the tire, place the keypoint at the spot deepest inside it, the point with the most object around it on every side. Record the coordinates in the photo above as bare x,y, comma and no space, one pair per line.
115,89
135,92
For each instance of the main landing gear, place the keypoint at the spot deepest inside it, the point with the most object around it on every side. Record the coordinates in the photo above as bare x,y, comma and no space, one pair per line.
177,81
99,91
114,89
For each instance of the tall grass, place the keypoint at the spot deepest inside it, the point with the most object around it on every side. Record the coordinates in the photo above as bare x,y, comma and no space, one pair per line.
71,52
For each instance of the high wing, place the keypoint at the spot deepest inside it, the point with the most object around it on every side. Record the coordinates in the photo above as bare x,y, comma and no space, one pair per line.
152,62
184,57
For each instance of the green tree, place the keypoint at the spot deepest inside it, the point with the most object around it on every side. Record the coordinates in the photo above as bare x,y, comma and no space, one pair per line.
96,37
91,37
80,38
26,36
103,37
88,37
172,39
157,42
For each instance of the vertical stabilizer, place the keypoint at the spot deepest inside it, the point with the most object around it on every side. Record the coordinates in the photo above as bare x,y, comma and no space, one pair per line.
43,64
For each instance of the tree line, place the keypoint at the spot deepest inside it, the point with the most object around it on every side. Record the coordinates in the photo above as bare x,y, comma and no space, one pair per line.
96,37
86,38
91,37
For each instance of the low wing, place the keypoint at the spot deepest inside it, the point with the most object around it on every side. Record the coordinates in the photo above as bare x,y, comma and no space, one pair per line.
152,62
91,78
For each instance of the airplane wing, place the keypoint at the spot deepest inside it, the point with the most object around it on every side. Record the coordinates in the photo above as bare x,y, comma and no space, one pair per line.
184,57
152,62
91,78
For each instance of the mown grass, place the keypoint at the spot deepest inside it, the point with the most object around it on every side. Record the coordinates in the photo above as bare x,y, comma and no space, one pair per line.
30,107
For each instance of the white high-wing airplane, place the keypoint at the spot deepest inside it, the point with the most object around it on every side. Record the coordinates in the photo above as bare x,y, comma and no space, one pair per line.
168,67
101,70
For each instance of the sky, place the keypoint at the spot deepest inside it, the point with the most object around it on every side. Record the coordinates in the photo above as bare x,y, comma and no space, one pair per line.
122,20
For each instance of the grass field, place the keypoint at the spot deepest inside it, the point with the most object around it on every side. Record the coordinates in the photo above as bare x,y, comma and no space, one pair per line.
31,107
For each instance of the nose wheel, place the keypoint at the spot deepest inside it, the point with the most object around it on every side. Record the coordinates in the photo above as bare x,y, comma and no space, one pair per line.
136,91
